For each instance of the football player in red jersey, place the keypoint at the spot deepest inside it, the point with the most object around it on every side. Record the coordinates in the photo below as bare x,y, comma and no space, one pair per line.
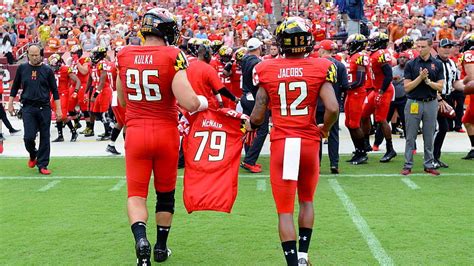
80,66
117,109
355,96
273,52
150,80
215,46
233,70
291,87
225,56
64,75
378,101
100,91
405,44
467,63
205,80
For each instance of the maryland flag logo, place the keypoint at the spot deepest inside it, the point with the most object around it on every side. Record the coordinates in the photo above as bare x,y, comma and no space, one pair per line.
331,74
181,62
384,58
33,75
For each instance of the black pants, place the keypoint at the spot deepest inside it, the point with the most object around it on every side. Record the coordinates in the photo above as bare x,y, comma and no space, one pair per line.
456,100
440,135
399,105
10,58
4,118
333,141
252,152
37,119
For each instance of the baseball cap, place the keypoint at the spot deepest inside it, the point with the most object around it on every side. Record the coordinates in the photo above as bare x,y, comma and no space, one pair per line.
327,45
253,44
445,43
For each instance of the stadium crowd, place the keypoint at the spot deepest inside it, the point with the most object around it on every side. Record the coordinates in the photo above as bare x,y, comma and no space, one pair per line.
407,63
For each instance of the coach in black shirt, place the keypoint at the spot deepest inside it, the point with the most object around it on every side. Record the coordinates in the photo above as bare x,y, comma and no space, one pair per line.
424,78
37,82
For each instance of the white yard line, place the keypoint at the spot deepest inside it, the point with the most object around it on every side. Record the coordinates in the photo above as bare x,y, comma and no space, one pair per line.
118,186
374,244
49,186
410,183
242,175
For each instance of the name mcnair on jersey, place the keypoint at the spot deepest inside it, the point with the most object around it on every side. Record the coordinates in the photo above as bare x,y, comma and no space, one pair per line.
290,72
210,123
143,59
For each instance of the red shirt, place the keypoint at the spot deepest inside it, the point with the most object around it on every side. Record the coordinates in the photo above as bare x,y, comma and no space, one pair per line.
147,73
467,58
377,60
96,73
293,88
217,64
82,77
62,78
355,61
212,153
21,28
204,79
111,74
236,81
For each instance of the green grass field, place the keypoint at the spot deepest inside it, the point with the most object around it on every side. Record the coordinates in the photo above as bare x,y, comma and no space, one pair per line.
365,216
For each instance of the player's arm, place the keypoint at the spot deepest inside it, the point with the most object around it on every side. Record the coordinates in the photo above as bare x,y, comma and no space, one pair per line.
228,69
185,94
120,93
226,93
76,80
83,68
469,79
360,78
102,79
258,113
388,77
331,106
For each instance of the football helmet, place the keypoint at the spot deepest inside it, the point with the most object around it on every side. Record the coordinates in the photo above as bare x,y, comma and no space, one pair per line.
294,36
356,43
403,44
225,54
377,41
191,47
467,43
76,49
239,54
161,23
98,53
216,45
55,62
118,49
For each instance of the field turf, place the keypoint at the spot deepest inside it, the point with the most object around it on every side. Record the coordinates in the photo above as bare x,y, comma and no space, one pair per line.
367,215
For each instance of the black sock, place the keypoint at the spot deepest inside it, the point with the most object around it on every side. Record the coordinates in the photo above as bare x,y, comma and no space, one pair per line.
59,125
92,125
107,129
359,144
88,124
162,236
471,137
139,230
70,126
289,249
115,134
304,239
389,144
1,135
366,141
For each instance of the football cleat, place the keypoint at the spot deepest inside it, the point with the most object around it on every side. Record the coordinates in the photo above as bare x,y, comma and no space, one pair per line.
303,262
90,133
143,252
389,155
251,168
77,126
405,171
112,150
59,139
44,171
104,138
74,136
360,159
161,255
334,170
441,164
85,131
469,156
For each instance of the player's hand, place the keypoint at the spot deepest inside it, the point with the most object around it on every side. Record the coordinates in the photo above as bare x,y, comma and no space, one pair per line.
248,127
250,137
74,95
11,110
323,130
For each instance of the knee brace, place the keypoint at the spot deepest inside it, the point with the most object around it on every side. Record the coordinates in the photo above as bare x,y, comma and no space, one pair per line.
165,201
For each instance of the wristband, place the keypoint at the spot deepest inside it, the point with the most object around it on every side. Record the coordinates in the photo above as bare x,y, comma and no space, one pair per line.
203,104
96,93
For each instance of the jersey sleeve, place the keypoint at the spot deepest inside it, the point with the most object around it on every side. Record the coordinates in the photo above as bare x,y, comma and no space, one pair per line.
467,58
255,75
331,74
181,63
384,58
362,60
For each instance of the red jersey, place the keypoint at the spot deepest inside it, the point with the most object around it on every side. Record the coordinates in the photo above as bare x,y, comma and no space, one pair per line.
147,73
293,88
466,59
357,60
219,67
96,72
62,78
377,60
83,78
236,81
212,152
191,58
111,74
204,79
21,28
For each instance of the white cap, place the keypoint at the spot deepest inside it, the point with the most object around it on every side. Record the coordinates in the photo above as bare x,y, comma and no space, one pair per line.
253,44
